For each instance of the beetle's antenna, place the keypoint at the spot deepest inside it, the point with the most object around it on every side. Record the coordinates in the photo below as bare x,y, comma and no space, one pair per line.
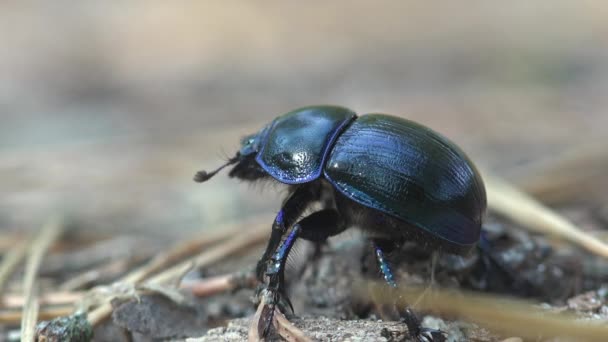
203,176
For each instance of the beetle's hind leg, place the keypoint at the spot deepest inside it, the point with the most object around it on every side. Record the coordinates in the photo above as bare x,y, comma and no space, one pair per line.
415,329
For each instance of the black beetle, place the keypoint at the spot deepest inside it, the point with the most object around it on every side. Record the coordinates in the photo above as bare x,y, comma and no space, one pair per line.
395,179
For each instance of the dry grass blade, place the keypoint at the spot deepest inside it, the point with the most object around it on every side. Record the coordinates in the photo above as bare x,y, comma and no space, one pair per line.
508,316
100,314
49,298
48,234
210,286
29,317
287,330
90,255
253,335
14,317
523,209
256,234
223,283
572,175
10,262
108,269
181,251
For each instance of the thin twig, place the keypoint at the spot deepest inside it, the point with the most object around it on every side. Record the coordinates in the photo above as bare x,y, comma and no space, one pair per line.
90,255
100,314
253,334
207,287
287,330
109,270
174,254
12,301
15,317
48,234
183,250
523,209
10,262
256,234
29,318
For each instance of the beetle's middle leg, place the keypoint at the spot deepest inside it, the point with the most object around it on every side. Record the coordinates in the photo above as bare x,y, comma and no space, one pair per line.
415,329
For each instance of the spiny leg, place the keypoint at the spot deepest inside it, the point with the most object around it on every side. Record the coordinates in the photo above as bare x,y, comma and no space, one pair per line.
275,290
276,268
293,207
380,248
416,331
316,227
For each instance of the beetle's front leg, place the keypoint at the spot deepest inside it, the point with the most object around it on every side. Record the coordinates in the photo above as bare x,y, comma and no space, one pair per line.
275,290
292,208
278,229
316,227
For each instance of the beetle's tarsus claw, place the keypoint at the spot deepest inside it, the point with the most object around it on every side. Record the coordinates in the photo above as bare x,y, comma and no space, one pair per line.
285,299
430,335
419,333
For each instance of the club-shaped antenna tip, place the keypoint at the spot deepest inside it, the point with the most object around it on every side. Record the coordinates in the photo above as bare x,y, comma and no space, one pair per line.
202,176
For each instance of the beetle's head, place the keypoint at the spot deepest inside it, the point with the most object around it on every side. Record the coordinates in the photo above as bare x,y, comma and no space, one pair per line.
250,144
246,167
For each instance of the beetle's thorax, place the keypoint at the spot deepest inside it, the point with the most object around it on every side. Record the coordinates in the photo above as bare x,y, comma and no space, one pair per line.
294,147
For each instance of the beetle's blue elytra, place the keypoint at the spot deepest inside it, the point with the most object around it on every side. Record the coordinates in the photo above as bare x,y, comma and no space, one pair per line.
410,172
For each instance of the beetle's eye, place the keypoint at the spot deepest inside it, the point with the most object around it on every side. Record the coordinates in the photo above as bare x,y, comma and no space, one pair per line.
250,141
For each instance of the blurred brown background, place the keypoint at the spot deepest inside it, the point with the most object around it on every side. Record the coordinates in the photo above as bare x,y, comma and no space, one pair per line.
108,109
